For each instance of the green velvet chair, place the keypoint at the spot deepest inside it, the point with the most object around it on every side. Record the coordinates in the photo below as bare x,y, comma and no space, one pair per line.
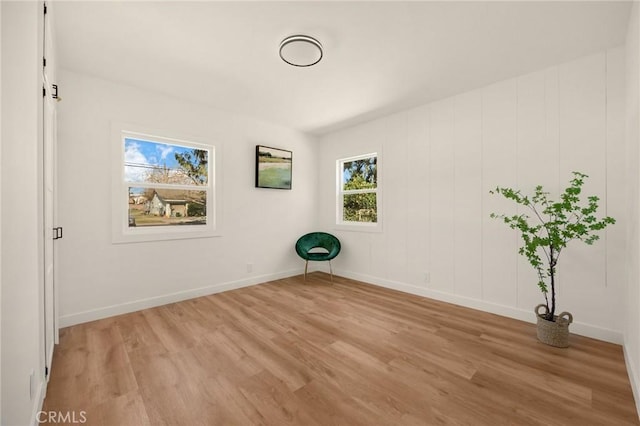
314,240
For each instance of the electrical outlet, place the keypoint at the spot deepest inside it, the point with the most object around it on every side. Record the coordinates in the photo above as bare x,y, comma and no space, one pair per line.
249,267
427,277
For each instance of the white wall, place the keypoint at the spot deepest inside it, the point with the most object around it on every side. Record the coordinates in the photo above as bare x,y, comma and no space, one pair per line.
1,139
439,162
632,317
21,274
260,226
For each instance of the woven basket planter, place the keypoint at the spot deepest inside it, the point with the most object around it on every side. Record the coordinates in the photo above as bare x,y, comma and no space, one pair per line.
553,333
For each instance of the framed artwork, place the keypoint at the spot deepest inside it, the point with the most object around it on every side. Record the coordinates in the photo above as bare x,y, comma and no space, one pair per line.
273,167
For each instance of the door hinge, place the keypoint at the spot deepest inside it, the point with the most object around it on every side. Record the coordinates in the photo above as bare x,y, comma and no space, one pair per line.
44,91
57,233
44,61
54,95
46,371
45,8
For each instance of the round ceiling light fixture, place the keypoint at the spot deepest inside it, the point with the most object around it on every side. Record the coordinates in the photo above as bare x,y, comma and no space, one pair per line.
301,50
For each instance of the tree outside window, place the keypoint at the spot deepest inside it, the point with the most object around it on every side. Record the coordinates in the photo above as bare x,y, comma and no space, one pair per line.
168,184
358,189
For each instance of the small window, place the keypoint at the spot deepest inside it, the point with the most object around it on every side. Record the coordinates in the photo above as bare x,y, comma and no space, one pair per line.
358,196
166,189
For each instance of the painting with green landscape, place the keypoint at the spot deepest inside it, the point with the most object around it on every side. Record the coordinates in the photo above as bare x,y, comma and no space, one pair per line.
273,167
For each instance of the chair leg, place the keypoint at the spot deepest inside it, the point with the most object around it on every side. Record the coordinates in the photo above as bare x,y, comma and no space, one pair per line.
306,263
331,271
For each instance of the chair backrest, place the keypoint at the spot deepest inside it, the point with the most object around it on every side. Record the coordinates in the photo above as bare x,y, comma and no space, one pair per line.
318,240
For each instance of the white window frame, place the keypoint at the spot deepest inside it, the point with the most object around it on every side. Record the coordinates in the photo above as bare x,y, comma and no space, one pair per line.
340,193
121,231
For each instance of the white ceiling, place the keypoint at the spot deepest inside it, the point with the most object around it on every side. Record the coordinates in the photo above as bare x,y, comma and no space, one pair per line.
380,57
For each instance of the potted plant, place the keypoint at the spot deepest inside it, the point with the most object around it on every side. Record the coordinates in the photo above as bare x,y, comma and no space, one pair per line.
545,233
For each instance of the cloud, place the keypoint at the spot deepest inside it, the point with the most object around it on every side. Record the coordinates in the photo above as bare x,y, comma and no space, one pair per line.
164,150
135,160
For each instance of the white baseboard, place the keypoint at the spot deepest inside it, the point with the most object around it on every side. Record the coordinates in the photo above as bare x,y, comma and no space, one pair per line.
49,361
39,401
633,378
579,328
152,302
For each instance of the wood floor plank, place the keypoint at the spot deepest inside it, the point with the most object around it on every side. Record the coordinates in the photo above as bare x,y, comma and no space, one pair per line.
124,410
273,399
316,352
277,361
328,405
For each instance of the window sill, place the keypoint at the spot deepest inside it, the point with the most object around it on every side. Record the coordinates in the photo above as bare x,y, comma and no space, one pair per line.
359,227
160,234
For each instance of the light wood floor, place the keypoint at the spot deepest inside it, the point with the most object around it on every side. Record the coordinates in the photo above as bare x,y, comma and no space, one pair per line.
287,352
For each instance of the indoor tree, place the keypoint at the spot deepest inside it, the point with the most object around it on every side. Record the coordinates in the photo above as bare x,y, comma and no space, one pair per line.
550,227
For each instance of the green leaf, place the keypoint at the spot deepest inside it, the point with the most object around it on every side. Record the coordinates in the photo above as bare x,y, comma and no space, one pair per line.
552,224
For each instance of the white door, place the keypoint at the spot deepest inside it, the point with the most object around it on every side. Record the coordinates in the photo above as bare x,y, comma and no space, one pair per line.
49,186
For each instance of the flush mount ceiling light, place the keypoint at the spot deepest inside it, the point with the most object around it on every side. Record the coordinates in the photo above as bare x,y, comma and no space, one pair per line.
301,50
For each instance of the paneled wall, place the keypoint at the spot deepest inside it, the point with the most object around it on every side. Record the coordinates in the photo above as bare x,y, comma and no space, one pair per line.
438,164
632,319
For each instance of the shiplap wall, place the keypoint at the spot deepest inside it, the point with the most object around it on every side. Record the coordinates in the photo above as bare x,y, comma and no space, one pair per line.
632,89
438,163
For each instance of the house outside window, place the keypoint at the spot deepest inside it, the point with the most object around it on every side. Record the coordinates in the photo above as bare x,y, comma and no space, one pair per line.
358,196
165,189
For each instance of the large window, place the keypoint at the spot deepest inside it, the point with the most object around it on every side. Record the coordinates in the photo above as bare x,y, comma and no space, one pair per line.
165,189
358,195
